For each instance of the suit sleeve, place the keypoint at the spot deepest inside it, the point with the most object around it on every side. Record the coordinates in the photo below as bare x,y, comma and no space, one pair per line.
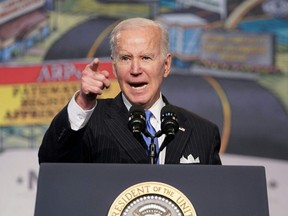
215,148
60,143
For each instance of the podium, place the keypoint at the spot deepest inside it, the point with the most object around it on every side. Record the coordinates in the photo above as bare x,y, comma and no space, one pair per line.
96,189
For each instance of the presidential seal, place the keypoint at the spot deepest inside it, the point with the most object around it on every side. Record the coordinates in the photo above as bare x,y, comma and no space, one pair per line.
152,199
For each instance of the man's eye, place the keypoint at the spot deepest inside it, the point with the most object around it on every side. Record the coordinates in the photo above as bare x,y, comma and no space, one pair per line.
145,58
124,58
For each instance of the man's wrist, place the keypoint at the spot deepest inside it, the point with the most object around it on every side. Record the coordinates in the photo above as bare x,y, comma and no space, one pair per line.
78,117
85,101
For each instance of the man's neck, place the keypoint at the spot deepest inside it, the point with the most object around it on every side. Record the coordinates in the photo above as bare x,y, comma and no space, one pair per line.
157,105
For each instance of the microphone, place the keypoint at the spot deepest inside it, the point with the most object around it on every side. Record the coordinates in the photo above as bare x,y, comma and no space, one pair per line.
169,123
136,121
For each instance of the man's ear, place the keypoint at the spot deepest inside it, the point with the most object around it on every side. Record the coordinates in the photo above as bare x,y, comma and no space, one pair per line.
167,65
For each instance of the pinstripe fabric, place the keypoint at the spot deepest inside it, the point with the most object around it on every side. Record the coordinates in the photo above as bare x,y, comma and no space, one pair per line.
107,139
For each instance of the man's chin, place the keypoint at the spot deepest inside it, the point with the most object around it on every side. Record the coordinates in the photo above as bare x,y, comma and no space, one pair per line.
139,103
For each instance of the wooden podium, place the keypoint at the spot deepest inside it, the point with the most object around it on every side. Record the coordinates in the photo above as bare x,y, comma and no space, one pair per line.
96,189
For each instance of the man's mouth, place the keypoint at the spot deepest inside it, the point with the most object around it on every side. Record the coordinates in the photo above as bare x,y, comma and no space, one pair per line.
140,85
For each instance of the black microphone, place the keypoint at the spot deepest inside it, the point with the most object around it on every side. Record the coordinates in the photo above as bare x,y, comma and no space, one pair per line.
136,121
169,123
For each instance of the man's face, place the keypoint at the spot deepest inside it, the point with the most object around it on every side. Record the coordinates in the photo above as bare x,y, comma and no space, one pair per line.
140,66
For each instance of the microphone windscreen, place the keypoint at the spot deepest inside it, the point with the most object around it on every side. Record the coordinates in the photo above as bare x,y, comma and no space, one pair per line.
136,121
169,123
136,108
167,109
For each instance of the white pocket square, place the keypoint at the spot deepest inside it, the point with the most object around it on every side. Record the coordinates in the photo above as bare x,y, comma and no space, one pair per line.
189,159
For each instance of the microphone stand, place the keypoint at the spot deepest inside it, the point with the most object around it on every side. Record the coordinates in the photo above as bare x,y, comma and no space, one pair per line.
152,151
153,155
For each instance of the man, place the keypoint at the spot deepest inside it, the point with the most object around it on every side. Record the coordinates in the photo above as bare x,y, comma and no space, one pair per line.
96,130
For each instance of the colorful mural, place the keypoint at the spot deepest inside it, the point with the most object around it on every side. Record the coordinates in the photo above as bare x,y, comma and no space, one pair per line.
229,41
230,59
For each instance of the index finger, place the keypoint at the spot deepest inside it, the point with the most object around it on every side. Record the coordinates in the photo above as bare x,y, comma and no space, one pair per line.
94,65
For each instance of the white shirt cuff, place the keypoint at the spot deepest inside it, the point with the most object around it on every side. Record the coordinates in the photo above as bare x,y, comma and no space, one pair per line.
78,117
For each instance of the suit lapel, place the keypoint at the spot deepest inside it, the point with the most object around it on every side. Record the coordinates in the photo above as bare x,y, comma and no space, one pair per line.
117,121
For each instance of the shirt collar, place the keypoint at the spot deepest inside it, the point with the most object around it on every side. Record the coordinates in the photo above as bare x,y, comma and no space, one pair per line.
155,109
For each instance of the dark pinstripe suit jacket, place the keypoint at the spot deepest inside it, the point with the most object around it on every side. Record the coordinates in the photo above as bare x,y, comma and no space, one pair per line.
107,139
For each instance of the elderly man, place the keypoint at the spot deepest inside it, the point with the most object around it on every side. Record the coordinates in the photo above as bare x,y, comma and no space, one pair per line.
96,130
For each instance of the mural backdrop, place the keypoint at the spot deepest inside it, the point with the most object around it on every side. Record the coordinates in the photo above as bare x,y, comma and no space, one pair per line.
230,65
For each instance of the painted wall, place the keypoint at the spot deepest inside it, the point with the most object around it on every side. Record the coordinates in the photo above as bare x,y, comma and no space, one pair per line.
230,66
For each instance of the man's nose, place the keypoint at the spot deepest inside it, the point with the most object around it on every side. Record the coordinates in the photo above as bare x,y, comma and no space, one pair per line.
135,66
